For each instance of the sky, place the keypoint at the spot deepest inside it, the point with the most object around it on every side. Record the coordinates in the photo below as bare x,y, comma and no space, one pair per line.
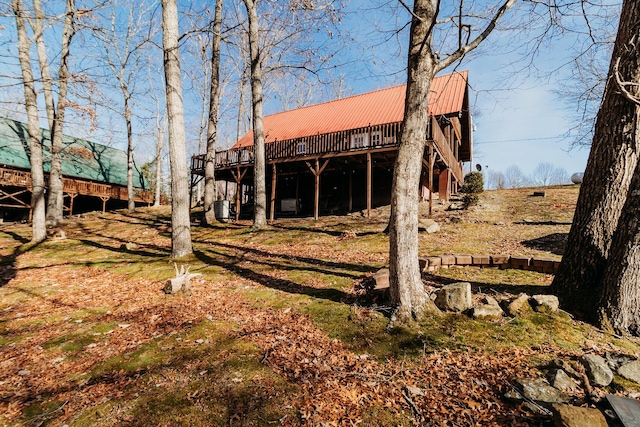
519,118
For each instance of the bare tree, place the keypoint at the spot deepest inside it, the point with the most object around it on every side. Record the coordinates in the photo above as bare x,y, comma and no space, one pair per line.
56,113
407,290
259,169
560,176
515,178
122,40
39,232
542,174
212,128
180,221
601,253
496,180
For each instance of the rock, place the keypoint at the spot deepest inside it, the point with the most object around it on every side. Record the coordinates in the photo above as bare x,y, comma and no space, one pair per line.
545,303
615,360
499,223
130,246
539,390
489,300
630,371
428,225
563,382
574,416
487,312
568,368
597,369
454,297
518,306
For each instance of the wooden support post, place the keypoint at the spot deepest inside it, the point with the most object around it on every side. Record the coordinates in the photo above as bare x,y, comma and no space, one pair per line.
368,185
432,161
350,190
71,197
237,176
274,179
297,193
104,203
316,171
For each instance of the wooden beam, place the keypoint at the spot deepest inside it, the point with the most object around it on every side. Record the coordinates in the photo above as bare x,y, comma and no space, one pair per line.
432,161
368,185
72,196
237,176
350,190
457,127
316,170
104,202
274,179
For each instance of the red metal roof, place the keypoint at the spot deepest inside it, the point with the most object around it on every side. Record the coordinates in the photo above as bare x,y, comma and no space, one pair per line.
368,109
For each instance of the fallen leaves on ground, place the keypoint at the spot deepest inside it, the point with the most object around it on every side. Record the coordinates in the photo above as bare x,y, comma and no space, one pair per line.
338,386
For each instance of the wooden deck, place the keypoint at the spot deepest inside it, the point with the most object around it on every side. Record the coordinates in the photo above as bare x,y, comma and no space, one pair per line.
313,153
379,138
21,182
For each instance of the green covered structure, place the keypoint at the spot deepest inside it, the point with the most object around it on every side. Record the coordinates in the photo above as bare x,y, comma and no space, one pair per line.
95,175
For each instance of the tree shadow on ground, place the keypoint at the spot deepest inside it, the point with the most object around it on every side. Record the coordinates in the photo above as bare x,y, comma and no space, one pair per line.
483,287
8,267
313,261
273,282
334,233
554,243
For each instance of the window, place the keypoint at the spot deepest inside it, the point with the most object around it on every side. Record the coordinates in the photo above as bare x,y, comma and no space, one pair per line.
301,148
376,138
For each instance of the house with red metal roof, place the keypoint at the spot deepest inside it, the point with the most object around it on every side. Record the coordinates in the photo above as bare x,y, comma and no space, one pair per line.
338,156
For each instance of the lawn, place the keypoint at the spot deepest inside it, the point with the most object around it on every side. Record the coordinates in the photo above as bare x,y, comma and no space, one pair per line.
277,330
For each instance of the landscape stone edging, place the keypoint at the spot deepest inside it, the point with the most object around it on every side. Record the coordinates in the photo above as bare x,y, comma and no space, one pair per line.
502,262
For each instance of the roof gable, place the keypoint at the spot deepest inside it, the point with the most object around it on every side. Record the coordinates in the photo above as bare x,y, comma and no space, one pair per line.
359,111
80,158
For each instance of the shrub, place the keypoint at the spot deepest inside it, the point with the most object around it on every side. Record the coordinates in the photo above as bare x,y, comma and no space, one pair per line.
471,189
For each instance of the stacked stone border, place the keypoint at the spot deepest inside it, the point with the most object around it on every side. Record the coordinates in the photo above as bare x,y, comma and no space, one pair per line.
502,262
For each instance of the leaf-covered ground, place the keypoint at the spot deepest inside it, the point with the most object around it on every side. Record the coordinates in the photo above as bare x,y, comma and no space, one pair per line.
276,330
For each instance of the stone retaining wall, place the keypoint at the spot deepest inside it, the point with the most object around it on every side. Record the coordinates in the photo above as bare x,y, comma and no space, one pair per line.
501,262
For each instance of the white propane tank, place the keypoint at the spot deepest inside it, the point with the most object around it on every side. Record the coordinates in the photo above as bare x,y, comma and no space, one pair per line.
576,178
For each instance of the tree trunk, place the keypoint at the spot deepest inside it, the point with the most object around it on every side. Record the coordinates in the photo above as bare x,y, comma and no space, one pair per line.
407,290
618,308
159,144
55,201
259,171
180,221
613,158
212,127
47,86
131,204
38,226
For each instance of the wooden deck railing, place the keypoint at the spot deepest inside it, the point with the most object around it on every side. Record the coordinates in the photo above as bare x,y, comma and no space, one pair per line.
444,150
18,178
351,141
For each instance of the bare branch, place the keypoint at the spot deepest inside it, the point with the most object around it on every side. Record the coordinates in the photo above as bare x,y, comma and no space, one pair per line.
462,51
621,85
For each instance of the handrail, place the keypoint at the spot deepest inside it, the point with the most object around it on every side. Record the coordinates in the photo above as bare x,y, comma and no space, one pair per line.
18,178
444,150
352,141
